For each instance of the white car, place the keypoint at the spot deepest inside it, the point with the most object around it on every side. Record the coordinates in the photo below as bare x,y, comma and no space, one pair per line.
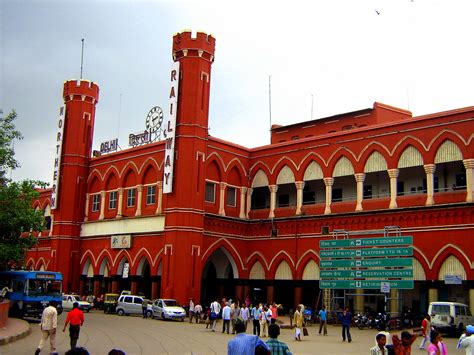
68,302
168,309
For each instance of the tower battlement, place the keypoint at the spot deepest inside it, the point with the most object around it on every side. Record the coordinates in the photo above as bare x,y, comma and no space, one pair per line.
84,88
188,44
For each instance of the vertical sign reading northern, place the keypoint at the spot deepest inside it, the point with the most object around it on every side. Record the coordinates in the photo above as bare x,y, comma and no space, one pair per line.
169,131
57,159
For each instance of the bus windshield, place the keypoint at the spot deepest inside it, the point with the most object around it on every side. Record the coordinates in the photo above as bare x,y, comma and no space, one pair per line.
38,287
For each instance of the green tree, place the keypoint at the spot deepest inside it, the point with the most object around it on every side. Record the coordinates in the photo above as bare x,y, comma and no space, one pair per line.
18,220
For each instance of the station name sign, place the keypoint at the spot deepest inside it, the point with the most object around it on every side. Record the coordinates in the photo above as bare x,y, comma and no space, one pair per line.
169,131
109,146
57,159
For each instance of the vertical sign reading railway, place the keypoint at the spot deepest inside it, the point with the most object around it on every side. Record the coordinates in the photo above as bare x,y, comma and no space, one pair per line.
169,131
367,263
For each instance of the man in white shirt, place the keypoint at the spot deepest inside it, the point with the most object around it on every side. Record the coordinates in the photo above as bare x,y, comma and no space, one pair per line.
467,340
49,323
215,309
226,317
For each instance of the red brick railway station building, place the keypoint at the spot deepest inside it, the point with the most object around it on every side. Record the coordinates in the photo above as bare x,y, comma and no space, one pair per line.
247,222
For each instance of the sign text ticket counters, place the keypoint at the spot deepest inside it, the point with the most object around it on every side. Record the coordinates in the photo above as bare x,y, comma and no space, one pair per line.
366,242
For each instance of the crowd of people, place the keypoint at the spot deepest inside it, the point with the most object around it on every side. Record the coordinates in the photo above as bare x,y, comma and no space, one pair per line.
237,317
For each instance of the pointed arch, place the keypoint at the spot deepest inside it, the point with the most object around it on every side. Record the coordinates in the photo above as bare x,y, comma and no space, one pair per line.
375,162
313,172
147,163
234,176
285,176
256,255
30,264
451,266
143,253
410,157
94,185
130,175
260,179
141,265
41,264
448,151
311,271
236,162
228,248
343,167
150,175
257,272
87,267
104,268
214,170
111,178
283,271
418,271
282,255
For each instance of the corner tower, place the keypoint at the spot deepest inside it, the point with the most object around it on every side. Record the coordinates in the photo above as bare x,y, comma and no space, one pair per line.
184,223
71,171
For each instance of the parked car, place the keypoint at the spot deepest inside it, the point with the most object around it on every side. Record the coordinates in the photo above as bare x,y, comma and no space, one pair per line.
68,302
450,317
110,302
168,309
130,304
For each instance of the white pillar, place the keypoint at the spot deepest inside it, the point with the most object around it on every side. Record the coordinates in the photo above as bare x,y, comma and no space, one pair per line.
328,182
469,165
360,190
86,212
273,191
243,192
299,196
139,200
159,208
120,203
393,174
249,202
222,186
429,170
102,205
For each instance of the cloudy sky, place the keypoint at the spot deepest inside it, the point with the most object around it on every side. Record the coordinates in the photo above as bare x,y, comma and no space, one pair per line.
335,56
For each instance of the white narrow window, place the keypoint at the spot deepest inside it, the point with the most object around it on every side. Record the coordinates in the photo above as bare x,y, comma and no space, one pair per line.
150,194
210,192
231,196
131,193
112,200
95,202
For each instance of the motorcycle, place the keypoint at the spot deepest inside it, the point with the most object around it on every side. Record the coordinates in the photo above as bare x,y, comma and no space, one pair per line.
362,321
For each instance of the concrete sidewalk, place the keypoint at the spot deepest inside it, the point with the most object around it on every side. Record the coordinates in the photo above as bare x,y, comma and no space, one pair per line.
15,329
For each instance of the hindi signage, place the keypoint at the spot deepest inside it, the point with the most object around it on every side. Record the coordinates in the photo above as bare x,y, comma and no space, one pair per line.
57,159
121,241
169,132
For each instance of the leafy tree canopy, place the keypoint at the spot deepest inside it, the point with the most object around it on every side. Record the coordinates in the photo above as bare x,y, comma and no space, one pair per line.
18,219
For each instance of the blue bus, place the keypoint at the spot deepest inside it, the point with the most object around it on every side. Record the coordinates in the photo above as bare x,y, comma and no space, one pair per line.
30,291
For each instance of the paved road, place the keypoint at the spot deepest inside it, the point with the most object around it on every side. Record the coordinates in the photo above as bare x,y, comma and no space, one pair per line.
135,335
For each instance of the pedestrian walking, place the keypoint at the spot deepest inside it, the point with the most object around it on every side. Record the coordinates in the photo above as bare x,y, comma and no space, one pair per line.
276,347
323,320
403,346
145,308
255,314
191,310
345,318
466,341
75,319
425,331
226,315
234,314
298,322
245,315
245,344
380,348
197,312
264,320
49,323
437,346
215,310
274,310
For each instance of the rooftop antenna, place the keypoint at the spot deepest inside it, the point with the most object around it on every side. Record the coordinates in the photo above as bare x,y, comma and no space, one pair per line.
312,100
270,103
82,55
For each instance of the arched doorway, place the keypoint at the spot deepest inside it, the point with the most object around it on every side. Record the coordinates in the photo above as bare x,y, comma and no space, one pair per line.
219,276
144,278
123,272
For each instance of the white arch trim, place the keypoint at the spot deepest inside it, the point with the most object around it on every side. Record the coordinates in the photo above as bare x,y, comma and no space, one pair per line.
261,258
230,246
278,254
454,247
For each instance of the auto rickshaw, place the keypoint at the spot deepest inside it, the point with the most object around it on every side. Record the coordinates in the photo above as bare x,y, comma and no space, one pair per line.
110,302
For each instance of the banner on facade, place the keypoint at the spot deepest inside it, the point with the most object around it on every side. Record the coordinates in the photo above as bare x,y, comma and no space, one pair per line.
57,159
169,132
121,241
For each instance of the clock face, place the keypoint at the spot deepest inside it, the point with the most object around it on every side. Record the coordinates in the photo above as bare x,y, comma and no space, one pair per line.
154,119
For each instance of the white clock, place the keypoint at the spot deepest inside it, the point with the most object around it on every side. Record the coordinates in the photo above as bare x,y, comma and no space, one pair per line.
154,119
